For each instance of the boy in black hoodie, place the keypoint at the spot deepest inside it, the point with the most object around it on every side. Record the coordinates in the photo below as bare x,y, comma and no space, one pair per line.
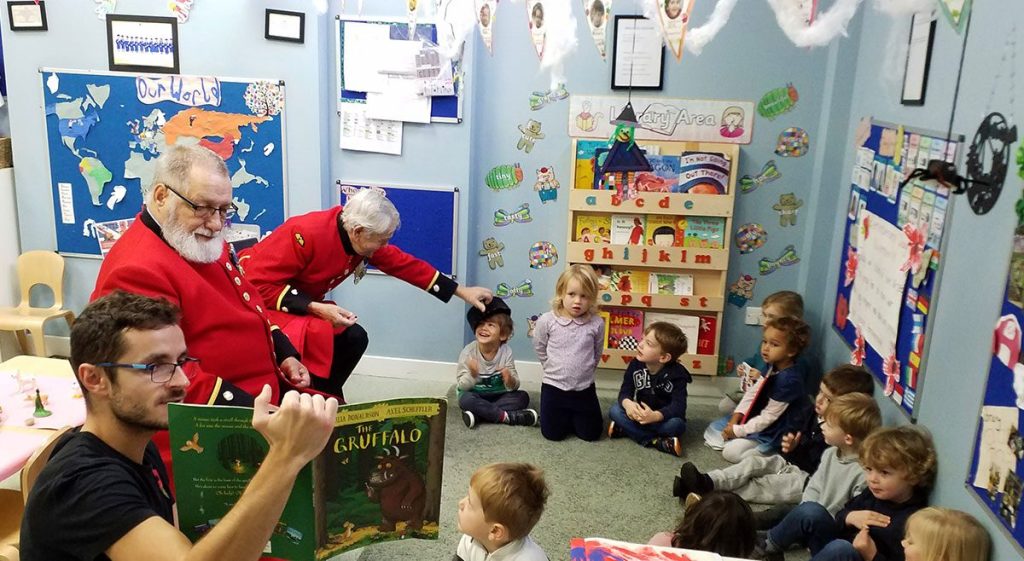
651,408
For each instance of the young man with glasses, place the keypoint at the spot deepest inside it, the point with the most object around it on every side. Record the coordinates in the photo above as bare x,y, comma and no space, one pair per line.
175,250
104,492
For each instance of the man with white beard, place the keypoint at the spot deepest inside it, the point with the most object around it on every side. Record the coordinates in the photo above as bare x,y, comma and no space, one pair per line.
175,250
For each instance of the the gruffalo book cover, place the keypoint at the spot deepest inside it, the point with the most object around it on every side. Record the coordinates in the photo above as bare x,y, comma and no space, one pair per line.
379,479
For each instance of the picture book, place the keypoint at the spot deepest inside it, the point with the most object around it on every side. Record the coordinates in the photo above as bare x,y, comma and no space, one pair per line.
689,324
378,479
661,229
586,162
672,284
705,231
628,229
587,549
629,281
663,177
625,328
704,173
706,336
604,277
606,317
680,228
593,228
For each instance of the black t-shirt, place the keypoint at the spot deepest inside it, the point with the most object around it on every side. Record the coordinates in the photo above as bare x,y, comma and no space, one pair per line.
88,497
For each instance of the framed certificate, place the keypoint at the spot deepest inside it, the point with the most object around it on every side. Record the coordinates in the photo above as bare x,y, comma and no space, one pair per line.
638,55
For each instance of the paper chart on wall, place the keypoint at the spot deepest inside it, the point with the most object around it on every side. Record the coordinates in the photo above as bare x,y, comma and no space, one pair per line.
358,132
362,73
994,454
878,292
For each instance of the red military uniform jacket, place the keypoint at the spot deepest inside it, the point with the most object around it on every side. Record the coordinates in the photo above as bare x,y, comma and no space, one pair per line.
305,258
222,316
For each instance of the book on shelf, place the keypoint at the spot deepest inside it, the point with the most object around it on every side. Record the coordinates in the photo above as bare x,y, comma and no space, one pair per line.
705,231
663,177
593,228
604,276
672,284
586,162
629,281
706,336
378,479
704,173
628,229
690,326
606,317
625,328
661,230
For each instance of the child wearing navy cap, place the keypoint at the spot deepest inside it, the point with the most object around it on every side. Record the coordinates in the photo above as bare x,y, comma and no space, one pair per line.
488,385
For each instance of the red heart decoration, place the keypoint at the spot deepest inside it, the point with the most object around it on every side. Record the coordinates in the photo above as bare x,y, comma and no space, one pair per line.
626,359
604,358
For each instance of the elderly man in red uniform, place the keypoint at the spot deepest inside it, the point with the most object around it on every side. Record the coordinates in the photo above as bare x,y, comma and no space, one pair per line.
306,257
175,250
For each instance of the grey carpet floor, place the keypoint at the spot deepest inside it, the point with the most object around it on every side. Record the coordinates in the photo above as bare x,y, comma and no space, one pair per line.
611,488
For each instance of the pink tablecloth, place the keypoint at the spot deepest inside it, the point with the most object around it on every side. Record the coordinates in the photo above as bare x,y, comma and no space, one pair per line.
17,439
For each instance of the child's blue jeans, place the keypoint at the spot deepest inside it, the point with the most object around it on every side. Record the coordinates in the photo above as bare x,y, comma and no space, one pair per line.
808,524
643,434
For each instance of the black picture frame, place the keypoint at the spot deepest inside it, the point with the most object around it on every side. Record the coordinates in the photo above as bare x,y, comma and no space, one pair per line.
117,22
615,58
301,38
917,101
11,4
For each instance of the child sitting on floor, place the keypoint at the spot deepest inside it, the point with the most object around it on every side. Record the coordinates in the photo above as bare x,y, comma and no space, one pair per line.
651,408
943,534
719,522
488,386
774,404
503,504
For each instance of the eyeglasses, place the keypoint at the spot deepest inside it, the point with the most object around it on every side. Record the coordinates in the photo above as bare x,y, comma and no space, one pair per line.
159,372
205,212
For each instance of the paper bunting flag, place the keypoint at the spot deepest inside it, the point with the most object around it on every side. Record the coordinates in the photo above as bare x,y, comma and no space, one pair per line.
535,18
104,7
411,14
597,18
674,15
486,11
181,9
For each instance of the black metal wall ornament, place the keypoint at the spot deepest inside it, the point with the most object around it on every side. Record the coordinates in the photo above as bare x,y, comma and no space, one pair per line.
988,160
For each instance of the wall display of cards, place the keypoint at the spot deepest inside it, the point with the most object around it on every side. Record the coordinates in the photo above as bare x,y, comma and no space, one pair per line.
638,54
995,475
660,241
142,43
27,15
892,248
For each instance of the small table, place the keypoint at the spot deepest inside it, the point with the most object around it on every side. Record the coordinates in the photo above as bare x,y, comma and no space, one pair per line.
53,377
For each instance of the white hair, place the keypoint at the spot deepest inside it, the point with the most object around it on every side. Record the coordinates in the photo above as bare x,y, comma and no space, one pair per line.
174,166
371,209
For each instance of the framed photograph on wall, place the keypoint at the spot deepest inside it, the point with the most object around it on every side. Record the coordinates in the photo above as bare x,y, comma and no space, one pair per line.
638,55
27,15
142,43
285,26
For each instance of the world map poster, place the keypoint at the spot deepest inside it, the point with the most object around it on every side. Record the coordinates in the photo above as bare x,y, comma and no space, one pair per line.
105,132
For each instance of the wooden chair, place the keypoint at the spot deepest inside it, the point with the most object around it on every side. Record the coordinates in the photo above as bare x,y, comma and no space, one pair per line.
34,268
12,503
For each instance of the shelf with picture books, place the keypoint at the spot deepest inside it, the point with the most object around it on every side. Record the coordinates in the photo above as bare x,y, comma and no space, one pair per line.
659,240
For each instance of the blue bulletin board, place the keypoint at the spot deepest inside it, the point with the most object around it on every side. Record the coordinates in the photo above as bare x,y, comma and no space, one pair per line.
997,465
430,221
443,108
891,256
105,130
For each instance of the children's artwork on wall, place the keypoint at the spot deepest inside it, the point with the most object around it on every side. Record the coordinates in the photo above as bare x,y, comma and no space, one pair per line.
557,93
769,172
742,290
104,7
411,14
531,324
486,11
988,160
673,16
750,237
521,215
546,185
787,207
792,143
492,252
181,9
530,134
585,120
543,255
778,101
957,12
522,290
787,258
859,350
597,20
264,97
535,20
505,176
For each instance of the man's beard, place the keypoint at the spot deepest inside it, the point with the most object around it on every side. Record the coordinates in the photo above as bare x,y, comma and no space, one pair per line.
136,414
188,245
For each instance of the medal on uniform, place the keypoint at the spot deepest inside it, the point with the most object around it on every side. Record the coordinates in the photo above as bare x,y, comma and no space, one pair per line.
359,272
